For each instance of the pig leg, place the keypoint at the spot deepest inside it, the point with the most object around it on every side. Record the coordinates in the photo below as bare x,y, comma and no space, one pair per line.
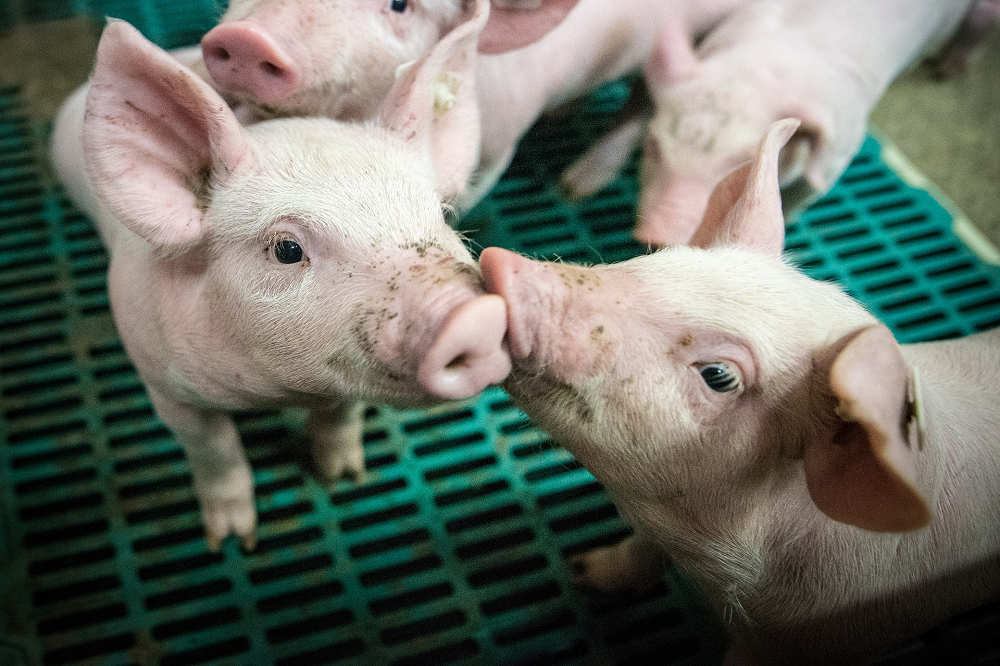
223,481
602,161
335,436
633,564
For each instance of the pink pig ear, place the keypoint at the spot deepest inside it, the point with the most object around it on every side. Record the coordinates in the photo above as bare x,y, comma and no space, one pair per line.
154,136
745,208
514,24
865,475
433,105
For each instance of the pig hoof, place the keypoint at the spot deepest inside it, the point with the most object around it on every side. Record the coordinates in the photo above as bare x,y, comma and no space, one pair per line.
346,465
573,185
578,569
223,517
585,177
628,565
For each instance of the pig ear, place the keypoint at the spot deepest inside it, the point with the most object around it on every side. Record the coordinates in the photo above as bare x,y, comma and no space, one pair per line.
154,136
811,153
865,474
514,24
433,105
745,208
673,57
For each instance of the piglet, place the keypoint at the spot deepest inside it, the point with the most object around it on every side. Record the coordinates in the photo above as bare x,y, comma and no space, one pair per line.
305,57
825,63
831,491
301,262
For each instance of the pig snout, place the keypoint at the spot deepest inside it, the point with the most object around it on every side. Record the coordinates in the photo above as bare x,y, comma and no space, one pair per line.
244,60
507,275
557,316
468,353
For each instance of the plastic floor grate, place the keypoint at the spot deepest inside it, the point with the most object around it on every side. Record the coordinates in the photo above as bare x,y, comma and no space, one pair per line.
454,548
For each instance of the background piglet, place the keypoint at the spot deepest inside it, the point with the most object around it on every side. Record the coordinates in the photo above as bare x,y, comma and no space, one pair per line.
762,430
301,262
339,59
310,58
825,63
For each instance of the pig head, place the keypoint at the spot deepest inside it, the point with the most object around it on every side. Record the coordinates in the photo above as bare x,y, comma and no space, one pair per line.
299,262
826,64
340,58
762,430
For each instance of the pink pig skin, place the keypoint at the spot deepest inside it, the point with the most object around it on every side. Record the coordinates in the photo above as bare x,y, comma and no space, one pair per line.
825,63
339,58
818,524
304,58
383,303
598,42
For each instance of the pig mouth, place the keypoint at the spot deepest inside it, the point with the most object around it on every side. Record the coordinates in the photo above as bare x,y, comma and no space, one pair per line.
315,101
533,388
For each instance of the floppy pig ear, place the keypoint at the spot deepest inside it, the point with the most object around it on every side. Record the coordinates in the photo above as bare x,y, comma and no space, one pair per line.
745,208
515,24
153,135
433,105
864,475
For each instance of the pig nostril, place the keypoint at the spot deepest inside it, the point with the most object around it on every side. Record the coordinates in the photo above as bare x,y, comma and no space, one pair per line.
271,69
460,361
220,53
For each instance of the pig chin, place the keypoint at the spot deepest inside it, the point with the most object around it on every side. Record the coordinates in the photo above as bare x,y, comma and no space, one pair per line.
323,100
549,400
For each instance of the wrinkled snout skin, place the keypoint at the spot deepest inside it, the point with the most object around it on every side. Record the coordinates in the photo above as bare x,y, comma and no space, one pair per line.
826,64
305,58
607,359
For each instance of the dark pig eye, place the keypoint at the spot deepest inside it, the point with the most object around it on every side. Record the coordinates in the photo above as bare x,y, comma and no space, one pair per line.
287,251
398,6
720,377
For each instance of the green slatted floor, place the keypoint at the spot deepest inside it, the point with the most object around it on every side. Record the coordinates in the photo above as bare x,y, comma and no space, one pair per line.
453,549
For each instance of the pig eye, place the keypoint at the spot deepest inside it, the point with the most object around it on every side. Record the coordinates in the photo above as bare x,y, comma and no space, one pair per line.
287,251
398,6
720,377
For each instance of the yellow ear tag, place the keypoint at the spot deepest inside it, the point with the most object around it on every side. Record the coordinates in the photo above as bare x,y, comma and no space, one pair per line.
915,423
445,90
405,66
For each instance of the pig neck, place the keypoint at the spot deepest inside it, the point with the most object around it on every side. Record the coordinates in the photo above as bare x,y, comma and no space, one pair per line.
960,382
598,42
916,578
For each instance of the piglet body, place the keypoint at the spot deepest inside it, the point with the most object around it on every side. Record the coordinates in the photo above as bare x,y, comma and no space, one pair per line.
300,262
825,63
763,430
309,58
